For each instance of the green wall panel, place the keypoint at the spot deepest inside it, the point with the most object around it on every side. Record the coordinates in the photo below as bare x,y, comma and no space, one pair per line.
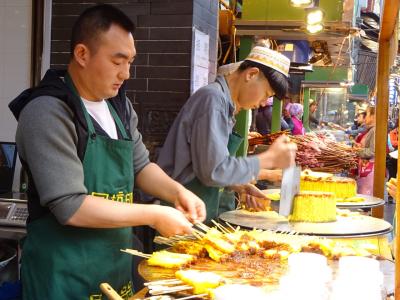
277,10
359,89
327,74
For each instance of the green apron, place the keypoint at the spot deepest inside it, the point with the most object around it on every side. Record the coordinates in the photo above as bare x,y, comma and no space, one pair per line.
211,195
66,262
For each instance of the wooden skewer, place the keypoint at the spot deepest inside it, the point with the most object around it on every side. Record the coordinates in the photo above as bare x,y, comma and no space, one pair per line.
170,290
163,282
230,226
162,240
220,227
193,296
199,237
202,226
136,253
198,232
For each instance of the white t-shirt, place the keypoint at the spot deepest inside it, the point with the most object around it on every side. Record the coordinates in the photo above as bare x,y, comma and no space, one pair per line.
101,113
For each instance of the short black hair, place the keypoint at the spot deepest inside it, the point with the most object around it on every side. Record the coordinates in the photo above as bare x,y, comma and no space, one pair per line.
96,20
279,82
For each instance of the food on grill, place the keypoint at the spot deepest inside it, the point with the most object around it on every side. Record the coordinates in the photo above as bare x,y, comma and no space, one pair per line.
313,207
201,282
218,241
342,187
264,204
256,257
189,247
273,196
168,259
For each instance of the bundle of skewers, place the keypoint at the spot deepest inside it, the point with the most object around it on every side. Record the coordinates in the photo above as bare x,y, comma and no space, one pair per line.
234,256
267,139
317,152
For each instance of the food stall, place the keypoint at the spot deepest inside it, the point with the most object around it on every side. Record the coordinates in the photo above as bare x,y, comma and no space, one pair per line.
234,250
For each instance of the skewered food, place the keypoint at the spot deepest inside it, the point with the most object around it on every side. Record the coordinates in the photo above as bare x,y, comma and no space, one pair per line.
258,258
168,259
201,282
314,207
190,247
273,196
317,152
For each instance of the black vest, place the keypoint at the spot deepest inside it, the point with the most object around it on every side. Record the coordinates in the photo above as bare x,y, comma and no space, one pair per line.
53,85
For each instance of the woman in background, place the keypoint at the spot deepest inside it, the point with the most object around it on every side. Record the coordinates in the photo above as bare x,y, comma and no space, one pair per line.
366,153
296,112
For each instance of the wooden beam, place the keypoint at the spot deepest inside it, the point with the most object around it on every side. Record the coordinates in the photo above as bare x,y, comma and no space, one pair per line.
389,17
396,242
389,21
381,115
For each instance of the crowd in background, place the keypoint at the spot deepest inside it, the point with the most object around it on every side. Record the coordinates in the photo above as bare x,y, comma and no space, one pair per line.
361,135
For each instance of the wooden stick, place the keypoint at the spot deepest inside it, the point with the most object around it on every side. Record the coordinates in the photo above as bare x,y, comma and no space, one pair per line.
136,253
161,291
230,226
165,281
202,226
220,227
199,237
193,296
163,241
109,292
198,232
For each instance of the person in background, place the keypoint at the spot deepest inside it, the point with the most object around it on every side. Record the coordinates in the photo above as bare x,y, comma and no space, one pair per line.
77,138
391,163
359,127
287,117
365,145
264,118
391,187
296,113
200,148
394,135
313,121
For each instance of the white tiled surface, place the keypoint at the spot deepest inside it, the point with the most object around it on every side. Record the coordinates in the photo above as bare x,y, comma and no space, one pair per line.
15,57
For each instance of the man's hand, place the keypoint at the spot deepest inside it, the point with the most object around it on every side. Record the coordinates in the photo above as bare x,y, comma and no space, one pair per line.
270,175
392,187
280,155
169,221
251,197
190,205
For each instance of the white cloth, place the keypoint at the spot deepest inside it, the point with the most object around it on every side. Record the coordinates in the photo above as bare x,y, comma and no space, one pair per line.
101,113
394,154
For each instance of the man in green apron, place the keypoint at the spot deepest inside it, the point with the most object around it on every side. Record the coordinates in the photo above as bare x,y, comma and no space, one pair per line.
80,152
200,148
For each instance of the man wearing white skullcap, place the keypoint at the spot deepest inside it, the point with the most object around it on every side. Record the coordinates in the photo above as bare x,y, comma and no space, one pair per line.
200,148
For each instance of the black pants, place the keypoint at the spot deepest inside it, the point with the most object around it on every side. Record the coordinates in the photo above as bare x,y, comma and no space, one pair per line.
391,165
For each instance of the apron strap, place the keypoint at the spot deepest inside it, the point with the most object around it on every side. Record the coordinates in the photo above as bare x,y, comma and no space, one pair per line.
118,121
91,130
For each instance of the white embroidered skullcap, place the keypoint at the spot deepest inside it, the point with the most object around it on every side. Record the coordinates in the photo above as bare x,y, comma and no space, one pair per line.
270,58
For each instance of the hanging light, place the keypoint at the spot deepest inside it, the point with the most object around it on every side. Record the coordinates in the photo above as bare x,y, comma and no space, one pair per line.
315,28
314,16
301,3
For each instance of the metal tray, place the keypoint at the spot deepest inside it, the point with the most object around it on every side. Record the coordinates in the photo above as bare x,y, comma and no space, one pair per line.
354,226
369,202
